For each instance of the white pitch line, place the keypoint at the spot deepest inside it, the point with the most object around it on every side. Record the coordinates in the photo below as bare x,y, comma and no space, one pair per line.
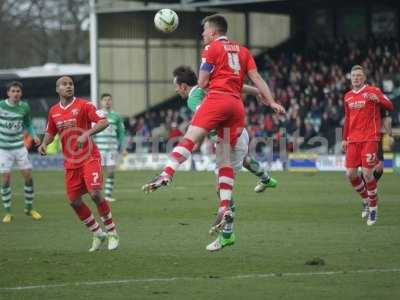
122,191
170,279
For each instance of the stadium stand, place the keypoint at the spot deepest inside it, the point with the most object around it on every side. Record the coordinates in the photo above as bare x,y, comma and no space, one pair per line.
310,83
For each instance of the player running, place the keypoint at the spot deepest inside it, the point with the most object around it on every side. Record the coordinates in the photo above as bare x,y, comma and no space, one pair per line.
15,118
185,81
111,142
72,118
361,135
225,64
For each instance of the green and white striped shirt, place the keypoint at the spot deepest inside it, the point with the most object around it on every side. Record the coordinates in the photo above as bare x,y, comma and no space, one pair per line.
13,120
113,137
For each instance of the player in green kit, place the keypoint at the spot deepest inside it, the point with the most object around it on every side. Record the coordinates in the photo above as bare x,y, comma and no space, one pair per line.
111,142
185,81
14,120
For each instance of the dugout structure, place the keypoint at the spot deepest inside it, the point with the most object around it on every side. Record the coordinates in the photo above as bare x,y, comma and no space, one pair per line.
134,62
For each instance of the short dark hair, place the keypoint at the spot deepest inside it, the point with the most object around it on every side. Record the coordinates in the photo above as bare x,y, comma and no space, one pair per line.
62,77
14,84
217,21
185,74
105,95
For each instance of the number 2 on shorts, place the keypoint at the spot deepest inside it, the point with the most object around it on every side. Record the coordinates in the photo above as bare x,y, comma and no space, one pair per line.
371,158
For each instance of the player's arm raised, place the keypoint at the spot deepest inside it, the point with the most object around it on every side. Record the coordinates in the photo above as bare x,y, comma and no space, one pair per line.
263,88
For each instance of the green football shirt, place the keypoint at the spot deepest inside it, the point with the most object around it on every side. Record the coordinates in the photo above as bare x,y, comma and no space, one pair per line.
13,120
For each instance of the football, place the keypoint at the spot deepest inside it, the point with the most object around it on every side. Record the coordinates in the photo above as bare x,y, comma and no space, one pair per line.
166,20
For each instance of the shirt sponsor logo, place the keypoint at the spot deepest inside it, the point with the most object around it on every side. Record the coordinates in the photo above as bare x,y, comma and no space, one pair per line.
365,95
62,125
357,104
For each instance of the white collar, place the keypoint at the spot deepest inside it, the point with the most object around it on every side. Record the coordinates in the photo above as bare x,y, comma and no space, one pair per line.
10,104
221,38
359,91
66,107
192,90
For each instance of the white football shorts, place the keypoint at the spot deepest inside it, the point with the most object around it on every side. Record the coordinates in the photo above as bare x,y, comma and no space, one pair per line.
19,156
109,158
238,153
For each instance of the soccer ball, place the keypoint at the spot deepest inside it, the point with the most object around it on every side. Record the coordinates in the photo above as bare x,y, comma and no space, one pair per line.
166,20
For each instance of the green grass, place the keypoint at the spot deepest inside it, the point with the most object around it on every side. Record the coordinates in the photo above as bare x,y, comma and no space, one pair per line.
163,235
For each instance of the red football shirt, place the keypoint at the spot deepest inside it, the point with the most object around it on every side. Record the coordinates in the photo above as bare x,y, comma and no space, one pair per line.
70,122
362,115
230,64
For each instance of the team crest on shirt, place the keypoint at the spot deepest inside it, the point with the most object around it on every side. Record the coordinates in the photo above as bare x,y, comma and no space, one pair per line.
75,111
100,113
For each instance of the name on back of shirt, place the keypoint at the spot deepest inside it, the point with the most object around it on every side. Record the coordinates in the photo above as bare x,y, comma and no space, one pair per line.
232,48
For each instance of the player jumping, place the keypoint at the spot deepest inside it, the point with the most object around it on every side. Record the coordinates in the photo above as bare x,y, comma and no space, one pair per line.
72,118
111,142
361,135
185,81
14,119
224,66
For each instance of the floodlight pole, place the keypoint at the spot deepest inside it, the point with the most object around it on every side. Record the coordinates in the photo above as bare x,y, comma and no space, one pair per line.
93,52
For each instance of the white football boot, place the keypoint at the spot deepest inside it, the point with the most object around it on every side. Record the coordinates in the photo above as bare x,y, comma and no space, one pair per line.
98,240
113,241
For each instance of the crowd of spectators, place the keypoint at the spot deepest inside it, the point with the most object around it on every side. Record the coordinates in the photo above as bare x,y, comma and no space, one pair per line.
309,83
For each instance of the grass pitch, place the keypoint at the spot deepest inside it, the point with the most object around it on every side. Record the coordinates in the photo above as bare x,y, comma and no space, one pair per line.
308,218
